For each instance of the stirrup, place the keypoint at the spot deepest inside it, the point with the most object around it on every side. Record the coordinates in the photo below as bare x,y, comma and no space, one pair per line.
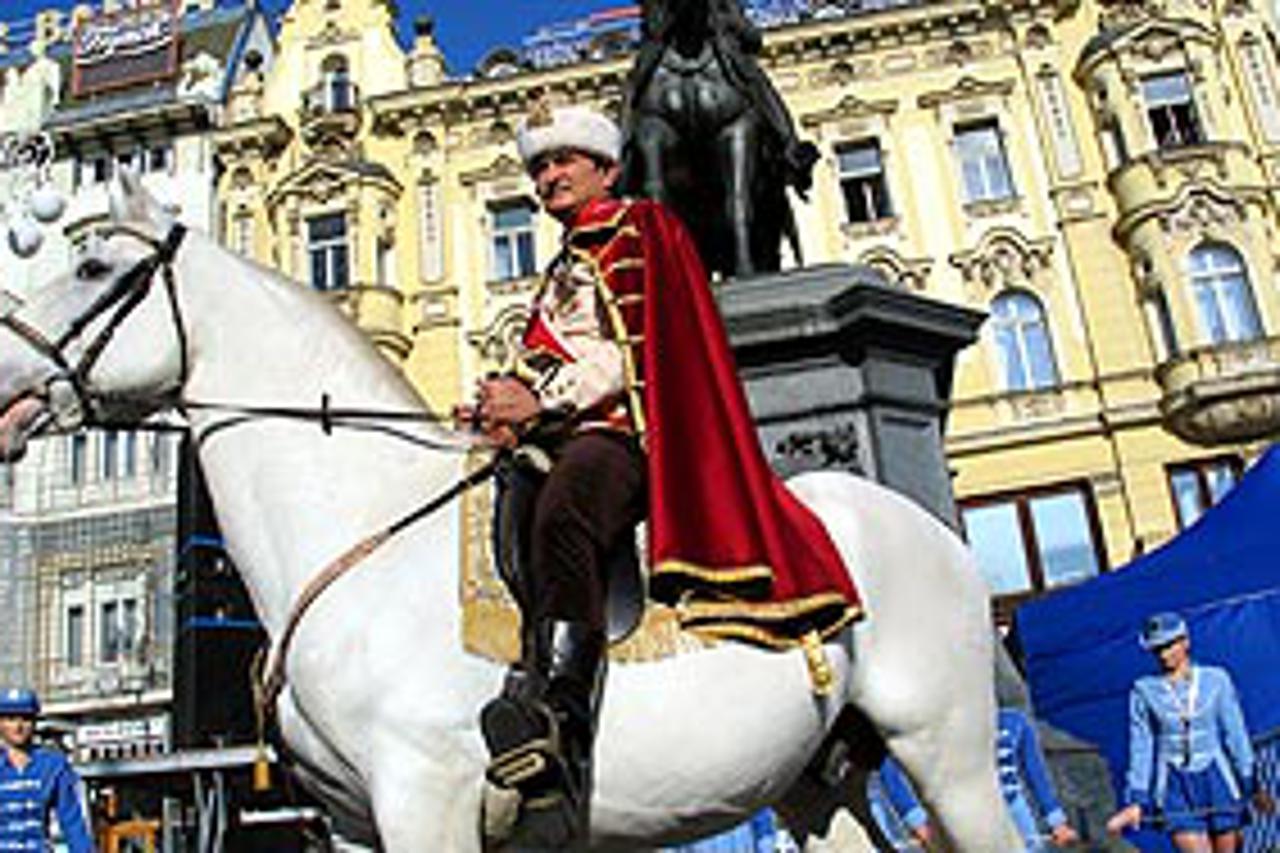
524,740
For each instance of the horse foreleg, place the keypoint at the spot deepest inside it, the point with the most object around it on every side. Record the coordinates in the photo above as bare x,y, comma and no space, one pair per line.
738,153
653,139
417,811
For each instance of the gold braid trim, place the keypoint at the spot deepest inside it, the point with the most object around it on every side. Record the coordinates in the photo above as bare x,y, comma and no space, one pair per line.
604,224
769,638
627,264
717,577
759,611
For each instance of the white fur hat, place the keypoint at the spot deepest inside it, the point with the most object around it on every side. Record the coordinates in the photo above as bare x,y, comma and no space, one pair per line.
546,129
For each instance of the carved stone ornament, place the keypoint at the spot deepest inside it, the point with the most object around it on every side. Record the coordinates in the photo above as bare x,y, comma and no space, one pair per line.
808,450
1004,258
1202,213
902,272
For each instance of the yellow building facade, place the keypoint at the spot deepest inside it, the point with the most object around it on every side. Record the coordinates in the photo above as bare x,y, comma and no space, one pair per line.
1102,178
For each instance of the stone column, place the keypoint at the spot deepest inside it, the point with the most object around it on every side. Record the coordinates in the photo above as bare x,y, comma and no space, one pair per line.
844,370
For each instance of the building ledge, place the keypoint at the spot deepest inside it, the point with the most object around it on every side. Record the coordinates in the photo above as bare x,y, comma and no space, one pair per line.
1224,393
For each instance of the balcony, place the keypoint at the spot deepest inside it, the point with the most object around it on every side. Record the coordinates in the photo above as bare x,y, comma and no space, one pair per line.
1224,393
1143,184
330,113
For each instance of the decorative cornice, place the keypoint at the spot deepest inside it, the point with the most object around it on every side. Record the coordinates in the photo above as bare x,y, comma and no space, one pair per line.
264,136
967,89
1003,258
849,107
503,166
323,180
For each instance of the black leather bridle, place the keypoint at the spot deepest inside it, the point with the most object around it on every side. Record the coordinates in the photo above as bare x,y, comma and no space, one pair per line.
121,299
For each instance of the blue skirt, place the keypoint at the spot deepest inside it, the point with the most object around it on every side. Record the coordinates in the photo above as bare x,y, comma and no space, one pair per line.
1201,802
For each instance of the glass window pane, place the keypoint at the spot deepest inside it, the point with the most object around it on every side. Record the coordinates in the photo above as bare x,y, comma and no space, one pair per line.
859,159
1186,496
1044,373
1064,538
503,261
341,275
996,540
1015,374
329,227
524,243
512,216
1221,478
1166,89
319,270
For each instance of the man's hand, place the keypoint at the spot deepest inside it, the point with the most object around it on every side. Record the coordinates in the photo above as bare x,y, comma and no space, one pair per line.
1063,835
1129,817
1263,802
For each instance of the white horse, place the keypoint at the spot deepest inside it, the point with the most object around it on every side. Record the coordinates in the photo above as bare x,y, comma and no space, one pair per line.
381,700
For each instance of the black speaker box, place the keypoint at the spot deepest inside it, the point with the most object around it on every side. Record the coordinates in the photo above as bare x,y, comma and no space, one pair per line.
217,633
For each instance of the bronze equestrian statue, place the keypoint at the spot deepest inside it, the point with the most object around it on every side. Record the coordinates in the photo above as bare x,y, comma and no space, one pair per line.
708,134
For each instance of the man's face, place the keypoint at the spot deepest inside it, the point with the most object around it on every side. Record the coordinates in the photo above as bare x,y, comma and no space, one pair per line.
567,180
16,732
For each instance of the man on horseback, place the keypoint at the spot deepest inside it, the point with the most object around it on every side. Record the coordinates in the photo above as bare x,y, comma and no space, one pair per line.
624,356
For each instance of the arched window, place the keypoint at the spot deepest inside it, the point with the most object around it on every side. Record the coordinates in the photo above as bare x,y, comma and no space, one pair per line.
1022,337
1224,299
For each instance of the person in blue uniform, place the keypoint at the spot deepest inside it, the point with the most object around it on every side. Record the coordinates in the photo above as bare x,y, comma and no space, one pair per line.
1024,781
1191,766
35,782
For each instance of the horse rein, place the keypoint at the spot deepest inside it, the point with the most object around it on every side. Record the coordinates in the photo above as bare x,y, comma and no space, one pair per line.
124,295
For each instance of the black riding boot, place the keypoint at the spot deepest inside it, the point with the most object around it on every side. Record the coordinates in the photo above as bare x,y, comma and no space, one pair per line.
540,731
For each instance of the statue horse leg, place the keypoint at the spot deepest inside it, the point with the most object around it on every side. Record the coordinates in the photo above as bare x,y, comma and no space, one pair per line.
740,163
653,140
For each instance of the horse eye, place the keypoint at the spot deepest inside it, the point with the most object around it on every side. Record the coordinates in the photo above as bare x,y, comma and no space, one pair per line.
92,268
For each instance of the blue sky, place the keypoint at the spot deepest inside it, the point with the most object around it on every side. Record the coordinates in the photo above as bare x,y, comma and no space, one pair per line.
467,29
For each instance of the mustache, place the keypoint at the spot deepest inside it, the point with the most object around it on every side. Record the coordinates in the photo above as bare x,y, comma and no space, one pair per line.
551,188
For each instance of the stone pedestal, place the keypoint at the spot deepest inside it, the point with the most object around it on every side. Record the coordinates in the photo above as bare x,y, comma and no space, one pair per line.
845,371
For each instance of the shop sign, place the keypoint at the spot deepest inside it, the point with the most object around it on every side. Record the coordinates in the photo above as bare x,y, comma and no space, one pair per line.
125,48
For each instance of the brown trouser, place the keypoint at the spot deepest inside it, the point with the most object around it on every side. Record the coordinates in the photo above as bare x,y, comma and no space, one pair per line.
593,498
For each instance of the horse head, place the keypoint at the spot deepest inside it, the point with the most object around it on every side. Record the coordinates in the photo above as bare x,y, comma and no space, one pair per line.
103,342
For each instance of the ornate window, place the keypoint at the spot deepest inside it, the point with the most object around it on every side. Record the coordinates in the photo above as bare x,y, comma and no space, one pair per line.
117,629
1171,110
73,643
984,168
1022,339
862,181
1034,541
328,251
1196,486
1223,297
511,225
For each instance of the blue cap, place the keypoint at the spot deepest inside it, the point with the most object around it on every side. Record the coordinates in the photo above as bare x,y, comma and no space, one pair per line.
19,702
1162,629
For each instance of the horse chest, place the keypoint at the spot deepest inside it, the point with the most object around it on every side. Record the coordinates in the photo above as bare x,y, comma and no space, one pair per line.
694,93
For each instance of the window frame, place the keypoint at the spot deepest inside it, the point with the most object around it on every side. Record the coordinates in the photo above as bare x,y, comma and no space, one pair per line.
1021,499
1221,284
521,240
872,183
1018,327
1180,115
968,129
1199,467
330,248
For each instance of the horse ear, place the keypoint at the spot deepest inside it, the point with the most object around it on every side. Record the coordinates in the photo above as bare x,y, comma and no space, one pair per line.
130,201
127,198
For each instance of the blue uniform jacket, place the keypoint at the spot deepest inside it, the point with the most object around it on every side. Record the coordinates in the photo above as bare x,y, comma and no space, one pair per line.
27,797
1193,724
1024,781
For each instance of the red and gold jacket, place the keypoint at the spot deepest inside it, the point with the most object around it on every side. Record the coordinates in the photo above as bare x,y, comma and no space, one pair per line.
625,333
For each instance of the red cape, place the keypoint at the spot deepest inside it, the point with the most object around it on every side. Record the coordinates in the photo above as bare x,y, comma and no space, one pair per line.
728,542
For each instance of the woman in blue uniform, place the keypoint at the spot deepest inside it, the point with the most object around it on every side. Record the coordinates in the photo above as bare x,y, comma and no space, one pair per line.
1191,766
35,782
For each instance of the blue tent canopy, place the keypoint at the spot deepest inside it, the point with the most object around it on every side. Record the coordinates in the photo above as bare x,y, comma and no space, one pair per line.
1222,574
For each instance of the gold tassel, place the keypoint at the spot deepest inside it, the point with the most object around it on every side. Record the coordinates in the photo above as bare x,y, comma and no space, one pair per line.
820,672
261,769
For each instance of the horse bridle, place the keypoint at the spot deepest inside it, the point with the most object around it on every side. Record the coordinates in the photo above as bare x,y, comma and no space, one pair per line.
124,296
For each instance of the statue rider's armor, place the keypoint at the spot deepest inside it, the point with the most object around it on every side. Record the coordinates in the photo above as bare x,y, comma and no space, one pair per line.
576,480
